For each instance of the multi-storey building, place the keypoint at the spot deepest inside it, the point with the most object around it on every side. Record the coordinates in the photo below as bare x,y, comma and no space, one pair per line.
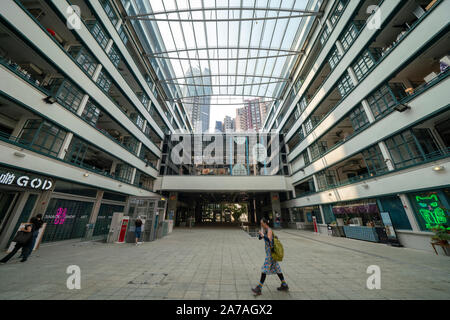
90,113
228,124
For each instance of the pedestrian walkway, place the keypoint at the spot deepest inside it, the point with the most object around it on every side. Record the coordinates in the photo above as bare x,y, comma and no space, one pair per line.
224,263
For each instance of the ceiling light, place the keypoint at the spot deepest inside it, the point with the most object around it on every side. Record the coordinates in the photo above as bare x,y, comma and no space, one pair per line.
19,154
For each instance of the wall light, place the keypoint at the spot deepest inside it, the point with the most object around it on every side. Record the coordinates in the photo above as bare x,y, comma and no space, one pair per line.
50,99
438,168
401,107
86,174
365,185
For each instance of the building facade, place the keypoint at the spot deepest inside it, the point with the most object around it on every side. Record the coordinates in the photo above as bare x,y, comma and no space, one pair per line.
87,121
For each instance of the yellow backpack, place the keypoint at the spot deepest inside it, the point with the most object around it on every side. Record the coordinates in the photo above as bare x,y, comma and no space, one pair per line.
277,250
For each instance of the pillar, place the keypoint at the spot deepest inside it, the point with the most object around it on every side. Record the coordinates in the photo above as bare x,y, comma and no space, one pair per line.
108,46
97,72
386,155
352,75
368,111
65,145
94,214
409,213
19,126
82,105
340,48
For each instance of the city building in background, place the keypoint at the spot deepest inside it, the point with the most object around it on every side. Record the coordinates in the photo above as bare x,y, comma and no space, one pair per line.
219,127
228,124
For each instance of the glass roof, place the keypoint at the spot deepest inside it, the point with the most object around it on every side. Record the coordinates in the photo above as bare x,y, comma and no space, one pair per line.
228,50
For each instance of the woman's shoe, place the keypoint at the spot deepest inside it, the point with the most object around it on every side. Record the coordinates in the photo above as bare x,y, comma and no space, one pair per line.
23,260
284,287
257,291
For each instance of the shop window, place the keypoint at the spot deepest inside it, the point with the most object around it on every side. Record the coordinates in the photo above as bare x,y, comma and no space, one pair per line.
43,136
430,209
328,213
66,219
345,85
394,206
98,33
374,160
104,218
351,33
316,213
358,118
385,98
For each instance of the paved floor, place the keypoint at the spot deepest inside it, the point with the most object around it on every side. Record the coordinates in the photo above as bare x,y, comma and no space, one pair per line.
221,263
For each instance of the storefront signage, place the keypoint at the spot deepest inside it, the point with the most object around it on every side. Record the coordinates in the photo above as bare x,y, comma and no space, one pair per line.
25,181
431,211
60,216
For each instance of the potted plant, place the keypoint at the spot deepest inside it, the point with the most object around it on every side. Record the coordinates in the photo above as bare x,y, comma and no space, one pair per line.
441,234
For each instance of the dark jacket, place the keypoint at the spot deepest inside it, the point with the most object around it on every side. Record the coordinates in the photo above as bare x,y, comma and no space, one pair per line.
138,223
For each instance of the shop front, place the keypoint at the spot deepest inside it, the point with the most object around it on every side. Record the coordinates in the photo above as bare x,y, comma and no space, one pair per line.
20,194
304,217
361,220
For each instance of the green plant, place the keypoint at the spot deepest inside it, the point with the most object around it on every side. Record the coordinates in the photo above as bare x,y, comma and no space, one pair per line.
441,233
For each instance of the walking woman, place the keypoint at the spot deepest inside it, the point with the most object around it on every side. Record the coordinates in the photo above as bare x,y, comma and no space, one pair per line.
270,266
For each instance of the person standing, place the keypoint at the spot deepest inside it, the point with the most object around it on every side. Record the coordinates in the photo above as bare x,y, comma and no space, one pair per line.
270,266
22,240
37,224
138,229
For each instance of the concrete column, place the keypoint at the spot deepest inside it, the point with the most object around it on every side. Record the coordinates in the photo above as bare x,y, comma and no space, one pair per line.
309,154
65,145
139,147
82,105
119,24
409,213
6,234
386,155
340,48
113,167
133,175
43,201
109,45
352,75
19,126
322,215
94,213
368,111
316,184
97,72
329,25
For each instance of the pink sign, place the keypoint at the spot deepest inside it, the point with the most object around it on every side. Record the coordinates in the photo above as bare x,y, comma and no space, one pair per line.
60,216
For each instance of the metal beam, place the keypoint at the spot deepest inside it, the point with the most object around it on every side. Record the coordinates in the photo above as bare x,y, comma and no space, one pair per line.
226,59
155,54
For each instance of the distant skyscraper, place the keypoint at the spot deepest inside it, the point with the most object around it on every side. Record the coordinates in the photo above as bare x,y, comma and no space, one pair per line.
219,127
241,120
228,124
199,98
263,107
251,116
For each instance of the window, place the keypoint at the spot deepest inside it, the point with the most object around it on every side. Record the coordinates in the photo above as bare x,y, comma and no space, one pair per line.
98,33
374,160
91,113
384,98
334,59
351,33
67,94
42,136
326,179
85,60
317,149
109,11
345,85
412,147
130,143
77,152
114,55
324,36
404,149
124,172
306,158
123,35
358,118
365,62
338,11
104,81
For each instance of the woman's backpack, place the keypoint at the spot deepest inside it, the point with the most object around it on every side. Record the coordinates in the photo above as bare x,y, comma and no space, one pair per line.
277,250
